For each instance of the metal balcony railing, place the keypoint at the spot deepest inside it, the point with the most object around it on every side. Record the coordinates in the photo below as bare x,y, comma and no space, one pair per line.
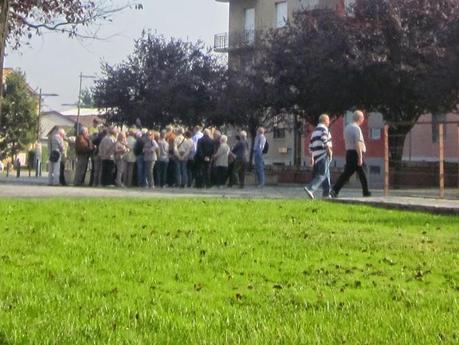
221,42
236,40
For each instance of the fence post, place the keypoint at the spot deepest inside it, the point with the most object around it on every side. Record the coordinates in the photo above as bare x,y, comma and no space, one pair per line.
386,161
441,147
458,155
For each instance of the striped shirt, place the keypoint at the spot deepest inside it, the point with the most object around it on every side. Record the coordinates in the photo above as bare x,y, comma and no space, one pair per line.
320,140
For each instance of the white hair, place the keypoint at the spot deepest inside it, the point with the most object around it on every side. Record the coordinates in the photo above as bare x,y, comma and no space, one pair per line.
323,118
358,114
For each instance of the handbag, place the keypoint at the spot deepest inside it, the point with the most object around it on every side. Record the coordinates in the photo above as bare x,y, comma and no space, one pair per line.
54,156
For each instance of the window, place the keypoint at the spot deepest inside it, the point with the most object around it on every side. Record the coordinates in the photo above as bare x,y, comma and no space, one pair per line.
375,170
278,133
348,115
281,14
375,133
249,25
349,7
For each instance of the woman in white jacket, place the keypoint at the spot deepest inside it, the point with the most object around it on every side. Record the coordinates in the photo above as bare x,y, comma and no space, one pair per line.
221,161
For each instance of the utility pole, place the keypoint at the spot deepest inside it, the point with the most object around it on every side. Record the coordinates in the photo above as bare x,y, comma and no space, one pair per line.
38,156
82,76
41,95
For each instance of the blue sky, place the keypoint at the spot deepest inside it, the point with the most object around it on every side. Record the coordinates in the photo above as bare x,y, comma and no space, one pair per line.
53,62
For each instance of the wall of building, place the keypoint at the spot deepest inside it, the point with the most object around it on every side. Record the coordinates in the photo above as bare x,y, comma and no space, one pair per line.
49,121
265,11
281,149
420,145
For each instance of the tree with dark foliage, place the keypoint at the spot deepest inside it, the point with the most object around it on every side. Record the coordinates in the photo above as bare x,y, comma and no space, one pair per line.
398,57
408,57
308,65
161,82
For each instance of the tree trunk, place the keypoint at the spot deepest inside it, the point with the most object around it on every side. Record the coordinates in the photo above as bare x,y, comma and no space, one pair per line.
4,8
397,138
297,142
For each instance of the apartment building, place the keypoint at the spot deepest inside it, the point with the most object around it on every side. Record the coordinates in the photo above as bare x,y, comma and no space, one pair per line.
248,19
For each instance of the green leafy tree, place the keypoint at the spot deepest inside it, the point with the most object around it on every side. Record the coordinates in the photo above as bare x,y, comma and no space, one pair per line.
19,116
25,18
87,99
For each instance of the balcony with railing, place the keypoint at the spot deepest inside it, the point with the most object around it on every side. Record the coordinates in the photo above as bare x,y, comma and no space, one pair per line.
246,39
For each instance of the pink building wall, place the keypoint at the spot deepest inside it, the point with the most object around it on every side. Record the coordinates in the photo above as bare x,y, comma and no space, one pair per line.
420,146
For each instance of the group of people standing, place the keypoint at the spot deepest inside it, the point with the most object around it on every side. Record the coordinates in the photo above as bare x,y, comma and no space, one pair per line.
173,157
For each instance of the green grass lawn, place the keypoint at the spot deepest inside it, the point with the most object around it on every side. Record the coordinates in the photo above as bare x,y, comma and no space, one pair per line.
225,272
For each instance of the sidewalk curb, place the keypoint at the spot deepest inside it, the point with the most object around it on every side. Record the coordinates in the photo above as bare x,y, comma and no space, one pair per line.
391,205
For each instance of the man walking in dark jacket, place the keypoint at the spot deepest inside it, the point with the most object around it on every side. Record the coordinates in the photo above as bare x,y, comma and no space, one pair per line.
241,159
83,149
204,154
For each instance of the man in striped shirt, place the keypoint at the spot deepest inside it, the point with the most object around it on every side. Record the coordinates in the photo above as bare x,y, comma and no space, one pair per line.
320,148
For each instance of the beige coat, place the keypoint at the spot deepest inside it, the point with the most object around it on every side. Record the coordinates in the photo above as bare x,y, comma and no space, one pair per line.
221,157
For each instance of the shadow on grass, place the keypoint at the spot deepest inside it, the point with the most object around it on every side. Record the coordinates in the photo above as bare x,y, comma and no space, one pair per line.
3,340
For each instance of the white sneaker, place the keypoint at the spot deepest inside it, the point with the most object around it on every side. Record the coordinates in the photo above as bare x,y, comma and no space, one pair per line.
309,193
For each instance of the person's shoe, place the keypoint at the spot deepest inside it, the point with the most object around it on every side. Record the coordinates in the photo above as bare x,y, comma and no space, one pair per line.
367,195
333,194
309,193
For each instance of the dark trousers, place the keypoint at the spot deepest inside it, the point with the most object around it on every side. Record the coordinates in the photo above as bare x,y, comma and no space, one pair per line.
213,175
203,177
91,175
171,172
221,175
161,171
191,172
238,173
141,178
155,174
351,167
108,172
62,180
81,168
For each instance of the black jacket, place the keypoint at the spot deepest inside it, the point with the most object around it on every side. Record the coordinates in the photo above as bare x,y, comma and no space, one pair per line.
205,149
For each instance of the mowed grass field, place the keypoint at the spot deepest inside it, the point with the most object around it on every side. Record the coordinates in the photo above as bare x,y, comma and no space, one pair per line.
225,272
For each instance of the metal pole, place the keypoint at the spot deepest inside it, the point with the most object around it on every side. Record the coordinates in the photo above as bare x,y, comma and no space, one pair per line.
386,161
39,113
79,105
441,146
458,156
